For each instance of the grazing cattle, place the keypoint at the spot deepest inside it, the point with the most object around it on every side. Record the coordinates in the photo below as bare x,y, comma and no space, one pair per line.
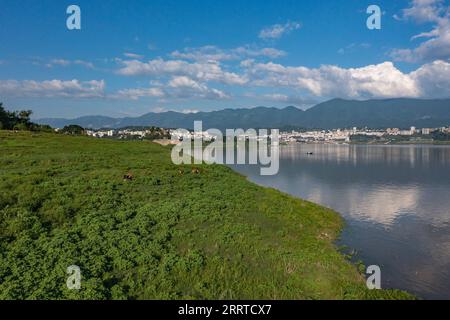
128,177
195,171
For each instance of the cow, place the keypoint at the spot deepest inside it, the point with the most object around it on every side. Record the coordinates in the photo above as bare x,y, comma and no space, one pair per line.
128,177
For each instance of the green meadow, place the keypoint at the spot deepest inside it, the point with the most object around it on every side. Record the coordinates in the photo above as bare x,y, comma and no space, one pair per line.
169,233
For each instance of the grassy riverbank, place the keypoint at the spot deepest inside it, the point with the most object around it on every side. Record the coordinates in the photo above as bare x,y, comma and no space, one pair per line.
164,235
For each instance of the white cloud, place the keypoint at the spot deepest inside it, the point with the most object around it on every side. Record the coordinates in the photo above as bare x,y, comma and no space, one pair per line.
424,10
184,82
186,87
53,88
289,99
135,94
66,63
433,79
213,53
437,45
187,111
180,87
133,55
201,71
383,80
277,31
247,63
264,52
162,109
59,62
205,53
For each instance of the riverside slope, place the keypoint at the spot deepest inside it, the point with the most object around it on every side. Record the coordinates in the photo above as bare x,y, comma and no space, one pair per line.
170,233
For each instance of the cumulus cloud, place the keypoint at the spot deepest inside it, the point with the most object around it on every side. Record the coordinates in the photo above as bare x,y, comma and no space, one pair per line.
424,10
433,79
200,71
136,93
278,30
214,53
185,82
264,52
437,43
53,88
179,87
186,87
383,80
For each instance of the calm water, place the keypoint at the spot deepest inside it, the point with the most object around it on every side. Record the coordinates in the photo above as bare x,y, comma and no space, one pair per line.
395,200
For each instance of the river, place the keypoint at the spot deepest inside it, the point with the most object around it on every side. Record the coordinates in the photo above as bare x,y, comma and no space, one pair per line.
395,201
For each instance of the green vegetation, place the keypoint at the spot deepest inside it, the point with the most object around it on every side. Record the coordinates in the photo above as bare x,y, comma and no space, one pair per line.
439,136
152,133
435,138
73,129
169,233
19,120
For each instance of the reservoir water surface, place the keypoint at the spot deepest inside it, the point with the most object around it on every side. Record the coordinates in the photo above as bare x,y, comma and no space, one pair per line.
395,201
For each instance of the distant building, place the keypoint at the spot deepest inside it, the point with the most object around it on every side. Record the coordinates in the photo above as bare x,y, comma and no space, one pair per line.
405,132
426,131
393,131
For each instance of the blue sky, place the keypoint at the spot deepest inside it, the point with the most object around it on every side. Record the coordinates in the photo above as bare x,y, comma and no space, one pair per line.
133,57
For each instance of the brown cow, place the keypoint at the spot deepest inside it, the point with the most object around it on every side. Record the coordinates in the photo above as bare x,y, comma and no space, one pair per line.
128,177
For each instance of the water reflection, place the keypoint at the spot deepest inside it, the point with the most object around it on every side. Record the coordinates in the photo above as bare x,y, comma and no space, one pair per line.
381,205
395,199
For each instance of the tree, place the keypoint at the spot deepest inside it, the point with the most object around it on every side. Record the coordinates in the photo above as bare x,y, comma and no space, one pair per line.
18,120
22,120
24,115
4,117
73,129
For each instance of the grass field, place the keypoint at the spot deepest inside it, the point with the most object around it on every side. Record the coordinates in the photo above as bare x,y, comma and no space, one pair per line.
163,235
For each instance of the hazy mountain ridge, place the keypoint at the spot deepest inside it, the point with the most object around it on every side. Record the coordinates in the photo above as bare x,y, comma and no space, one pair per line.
336,113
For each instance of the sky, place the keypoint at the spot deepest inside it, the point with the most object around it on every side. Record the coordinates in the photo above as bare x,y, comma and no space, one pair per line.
133,57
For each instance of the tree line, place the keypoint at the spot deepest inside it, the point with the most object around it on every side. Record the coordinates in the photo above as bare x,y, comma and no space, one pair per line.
19,120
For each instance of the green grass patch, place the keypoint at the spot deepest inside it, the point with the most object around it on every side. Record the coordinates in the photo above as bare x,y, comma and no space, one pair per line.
163,235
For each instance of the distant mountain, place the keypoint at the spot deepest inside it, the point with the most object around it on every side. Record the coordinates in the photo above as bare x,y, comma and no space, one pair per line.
402,113
336,113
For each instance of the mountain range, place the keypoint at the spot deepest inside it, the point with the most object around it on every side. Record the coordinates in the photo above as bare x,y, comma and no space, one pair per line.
336,113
